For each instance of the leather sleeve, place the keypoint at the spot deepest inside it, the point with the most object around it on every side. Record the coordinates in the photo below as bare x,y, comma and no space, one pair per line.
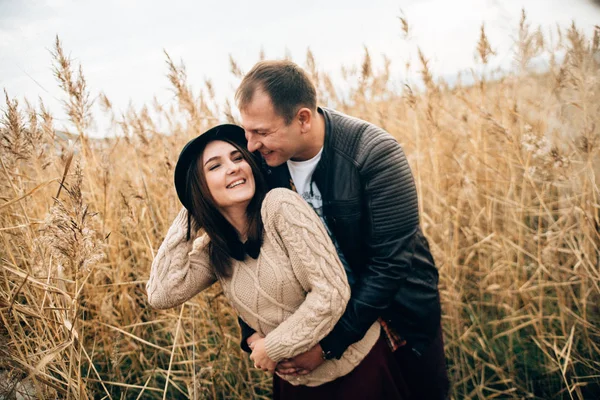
391,209
246,333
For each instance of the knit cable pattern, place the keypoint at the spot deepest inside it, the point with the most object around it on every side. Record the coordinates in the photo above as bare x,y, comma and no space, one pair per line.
293,226
180,269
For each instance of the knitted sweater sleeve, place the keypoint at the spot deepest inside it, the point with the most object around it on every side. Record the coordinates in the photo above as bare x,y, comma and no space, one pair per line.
181,268
294,226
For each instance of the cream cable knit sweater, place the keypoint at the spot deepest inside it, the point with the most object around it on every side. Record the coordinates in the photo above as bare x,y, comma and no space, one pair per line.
293,294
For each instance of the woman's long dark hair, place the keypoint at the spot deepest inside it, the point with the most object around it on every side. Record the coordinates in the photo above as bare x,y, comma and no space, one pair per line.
206,215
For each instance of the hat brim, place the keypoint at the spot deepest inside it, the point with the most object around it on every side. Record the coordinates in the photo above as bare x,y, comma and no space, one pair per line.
190,152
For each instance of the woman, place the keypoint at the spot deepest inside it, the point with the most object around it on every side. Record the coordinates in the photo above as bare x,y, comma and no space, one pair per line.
270,252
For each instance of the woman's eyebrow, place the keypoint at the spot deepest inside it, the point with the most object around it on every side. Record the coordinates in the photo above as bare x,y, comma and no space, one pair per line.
234,152
211,159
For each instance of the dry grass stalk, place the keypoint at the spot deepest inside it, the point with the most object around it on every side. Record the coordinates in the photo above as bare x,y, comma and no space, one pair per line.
484,49
509,192
78,104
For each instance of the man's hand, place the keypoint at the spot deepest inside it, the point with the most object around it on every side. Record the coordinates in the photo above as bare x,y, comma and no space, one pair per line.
303,363
260,357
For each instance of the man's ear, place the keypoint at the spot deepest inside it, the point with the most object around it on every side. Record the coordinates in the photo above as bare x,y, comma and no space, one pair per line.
304,117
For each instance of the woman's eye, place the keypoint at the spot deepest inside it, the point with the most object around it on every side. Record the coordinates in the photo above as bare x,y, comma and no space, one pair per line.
238,158
213,167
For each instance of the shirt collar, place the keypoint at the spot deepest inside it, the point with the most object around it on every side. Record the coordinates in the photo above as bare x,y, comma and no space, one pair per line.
239,250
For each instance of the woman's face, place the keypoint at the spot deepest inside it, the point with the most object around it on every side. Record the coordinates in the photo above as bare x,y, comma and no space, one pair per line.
228,176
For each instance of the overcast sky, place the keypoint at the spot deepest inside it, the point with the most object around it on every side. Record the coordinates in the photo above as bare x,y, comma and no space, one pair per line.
120,42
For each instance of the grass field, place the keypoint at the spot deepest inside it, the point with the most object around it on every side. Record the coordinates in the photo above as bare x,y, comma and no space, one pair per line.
507,174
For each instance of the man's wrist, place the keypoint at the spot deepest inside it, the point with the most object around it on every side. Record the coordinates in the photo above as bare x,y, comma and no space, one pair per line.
246,333
333,345
326,354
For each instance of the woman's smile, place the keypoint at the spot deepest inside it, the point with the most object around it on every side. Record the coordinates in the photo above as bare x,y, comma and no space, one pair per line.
236,183
228,175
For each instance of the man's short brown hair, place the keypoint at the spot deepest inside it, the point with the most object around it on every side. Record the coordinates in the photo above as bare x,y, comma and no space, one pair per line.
288,86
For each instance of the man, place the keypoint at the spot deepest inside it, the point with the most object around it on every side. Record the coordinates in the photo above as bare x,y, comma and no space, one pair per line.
356,177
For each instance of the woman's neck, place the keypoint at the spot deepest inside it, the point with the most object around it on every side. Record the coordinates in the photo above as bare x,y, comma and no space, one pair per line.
237,217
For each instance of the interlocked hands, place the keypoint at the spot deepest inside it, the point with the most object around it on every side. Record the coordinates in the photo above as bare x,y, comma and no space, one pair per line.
302,364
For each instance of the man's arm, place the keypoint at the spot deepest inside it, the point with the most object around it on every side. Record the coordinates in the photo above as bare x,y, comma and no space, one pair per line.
247,332
390,201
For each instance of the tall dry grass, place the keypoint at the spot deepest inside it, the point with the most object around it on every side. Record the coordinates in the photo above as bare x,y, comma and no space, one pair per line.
506,171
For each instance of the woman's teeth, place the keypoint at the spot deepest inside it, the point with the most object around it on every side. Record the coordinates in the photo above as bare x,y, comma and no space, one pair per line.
236,183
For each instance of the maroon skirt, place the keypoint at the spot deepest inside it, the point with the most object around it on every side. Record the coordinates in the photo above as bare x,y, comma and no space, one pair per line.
377,377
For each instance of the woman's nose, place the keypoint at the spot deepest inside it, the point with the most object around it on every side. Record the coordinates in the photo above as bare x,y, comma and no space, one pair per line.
232,168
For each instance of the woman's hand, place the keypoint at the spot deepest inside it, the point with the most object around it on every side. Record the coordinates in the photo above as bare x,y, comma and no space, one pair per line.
253,338
260,357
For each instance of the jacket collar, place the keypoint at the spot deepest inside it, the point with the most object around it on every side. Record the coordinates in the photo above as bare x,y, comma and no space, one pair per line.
327,140
320,176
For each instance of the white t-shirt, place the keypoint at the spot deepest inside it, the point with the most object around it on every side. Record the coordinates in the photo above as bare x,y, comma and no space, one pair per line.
302,172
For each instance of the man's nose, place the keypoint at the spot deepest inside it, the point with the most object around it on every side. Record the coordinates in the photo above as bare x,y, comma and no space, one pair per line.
253,144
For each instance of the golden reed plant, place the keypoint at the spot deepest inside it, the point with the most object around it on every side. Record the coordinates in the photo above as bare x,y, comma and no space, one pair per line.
507,173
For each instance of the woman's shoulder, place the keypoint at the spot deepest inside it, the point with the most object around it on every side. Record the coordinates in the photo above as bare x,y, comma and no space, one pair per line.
278,198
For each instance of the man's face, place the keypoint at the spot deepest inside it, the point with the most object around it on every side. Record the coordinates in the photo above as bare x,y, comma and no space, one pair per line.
267,132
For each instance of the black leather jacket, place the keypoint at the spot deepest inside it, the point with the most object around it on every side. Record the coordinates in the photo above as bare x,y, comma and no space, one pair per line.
370,205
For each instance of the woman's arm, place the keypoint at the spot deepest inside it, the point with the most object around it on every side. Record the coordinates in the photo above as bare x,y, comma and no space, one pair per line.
181,268
294,225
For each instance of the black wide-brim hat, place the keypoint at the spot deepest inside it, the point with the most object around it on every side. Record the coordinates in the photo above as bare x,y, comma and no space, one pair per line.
195,147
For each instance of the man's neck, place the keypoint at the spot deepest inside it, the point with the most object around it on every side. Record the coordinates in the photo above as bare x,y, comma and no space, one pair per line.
314,141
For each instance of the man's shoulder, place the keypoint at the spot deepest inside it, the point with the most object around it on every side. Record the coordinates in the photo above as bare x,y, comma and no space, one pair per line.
355,138
352,125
